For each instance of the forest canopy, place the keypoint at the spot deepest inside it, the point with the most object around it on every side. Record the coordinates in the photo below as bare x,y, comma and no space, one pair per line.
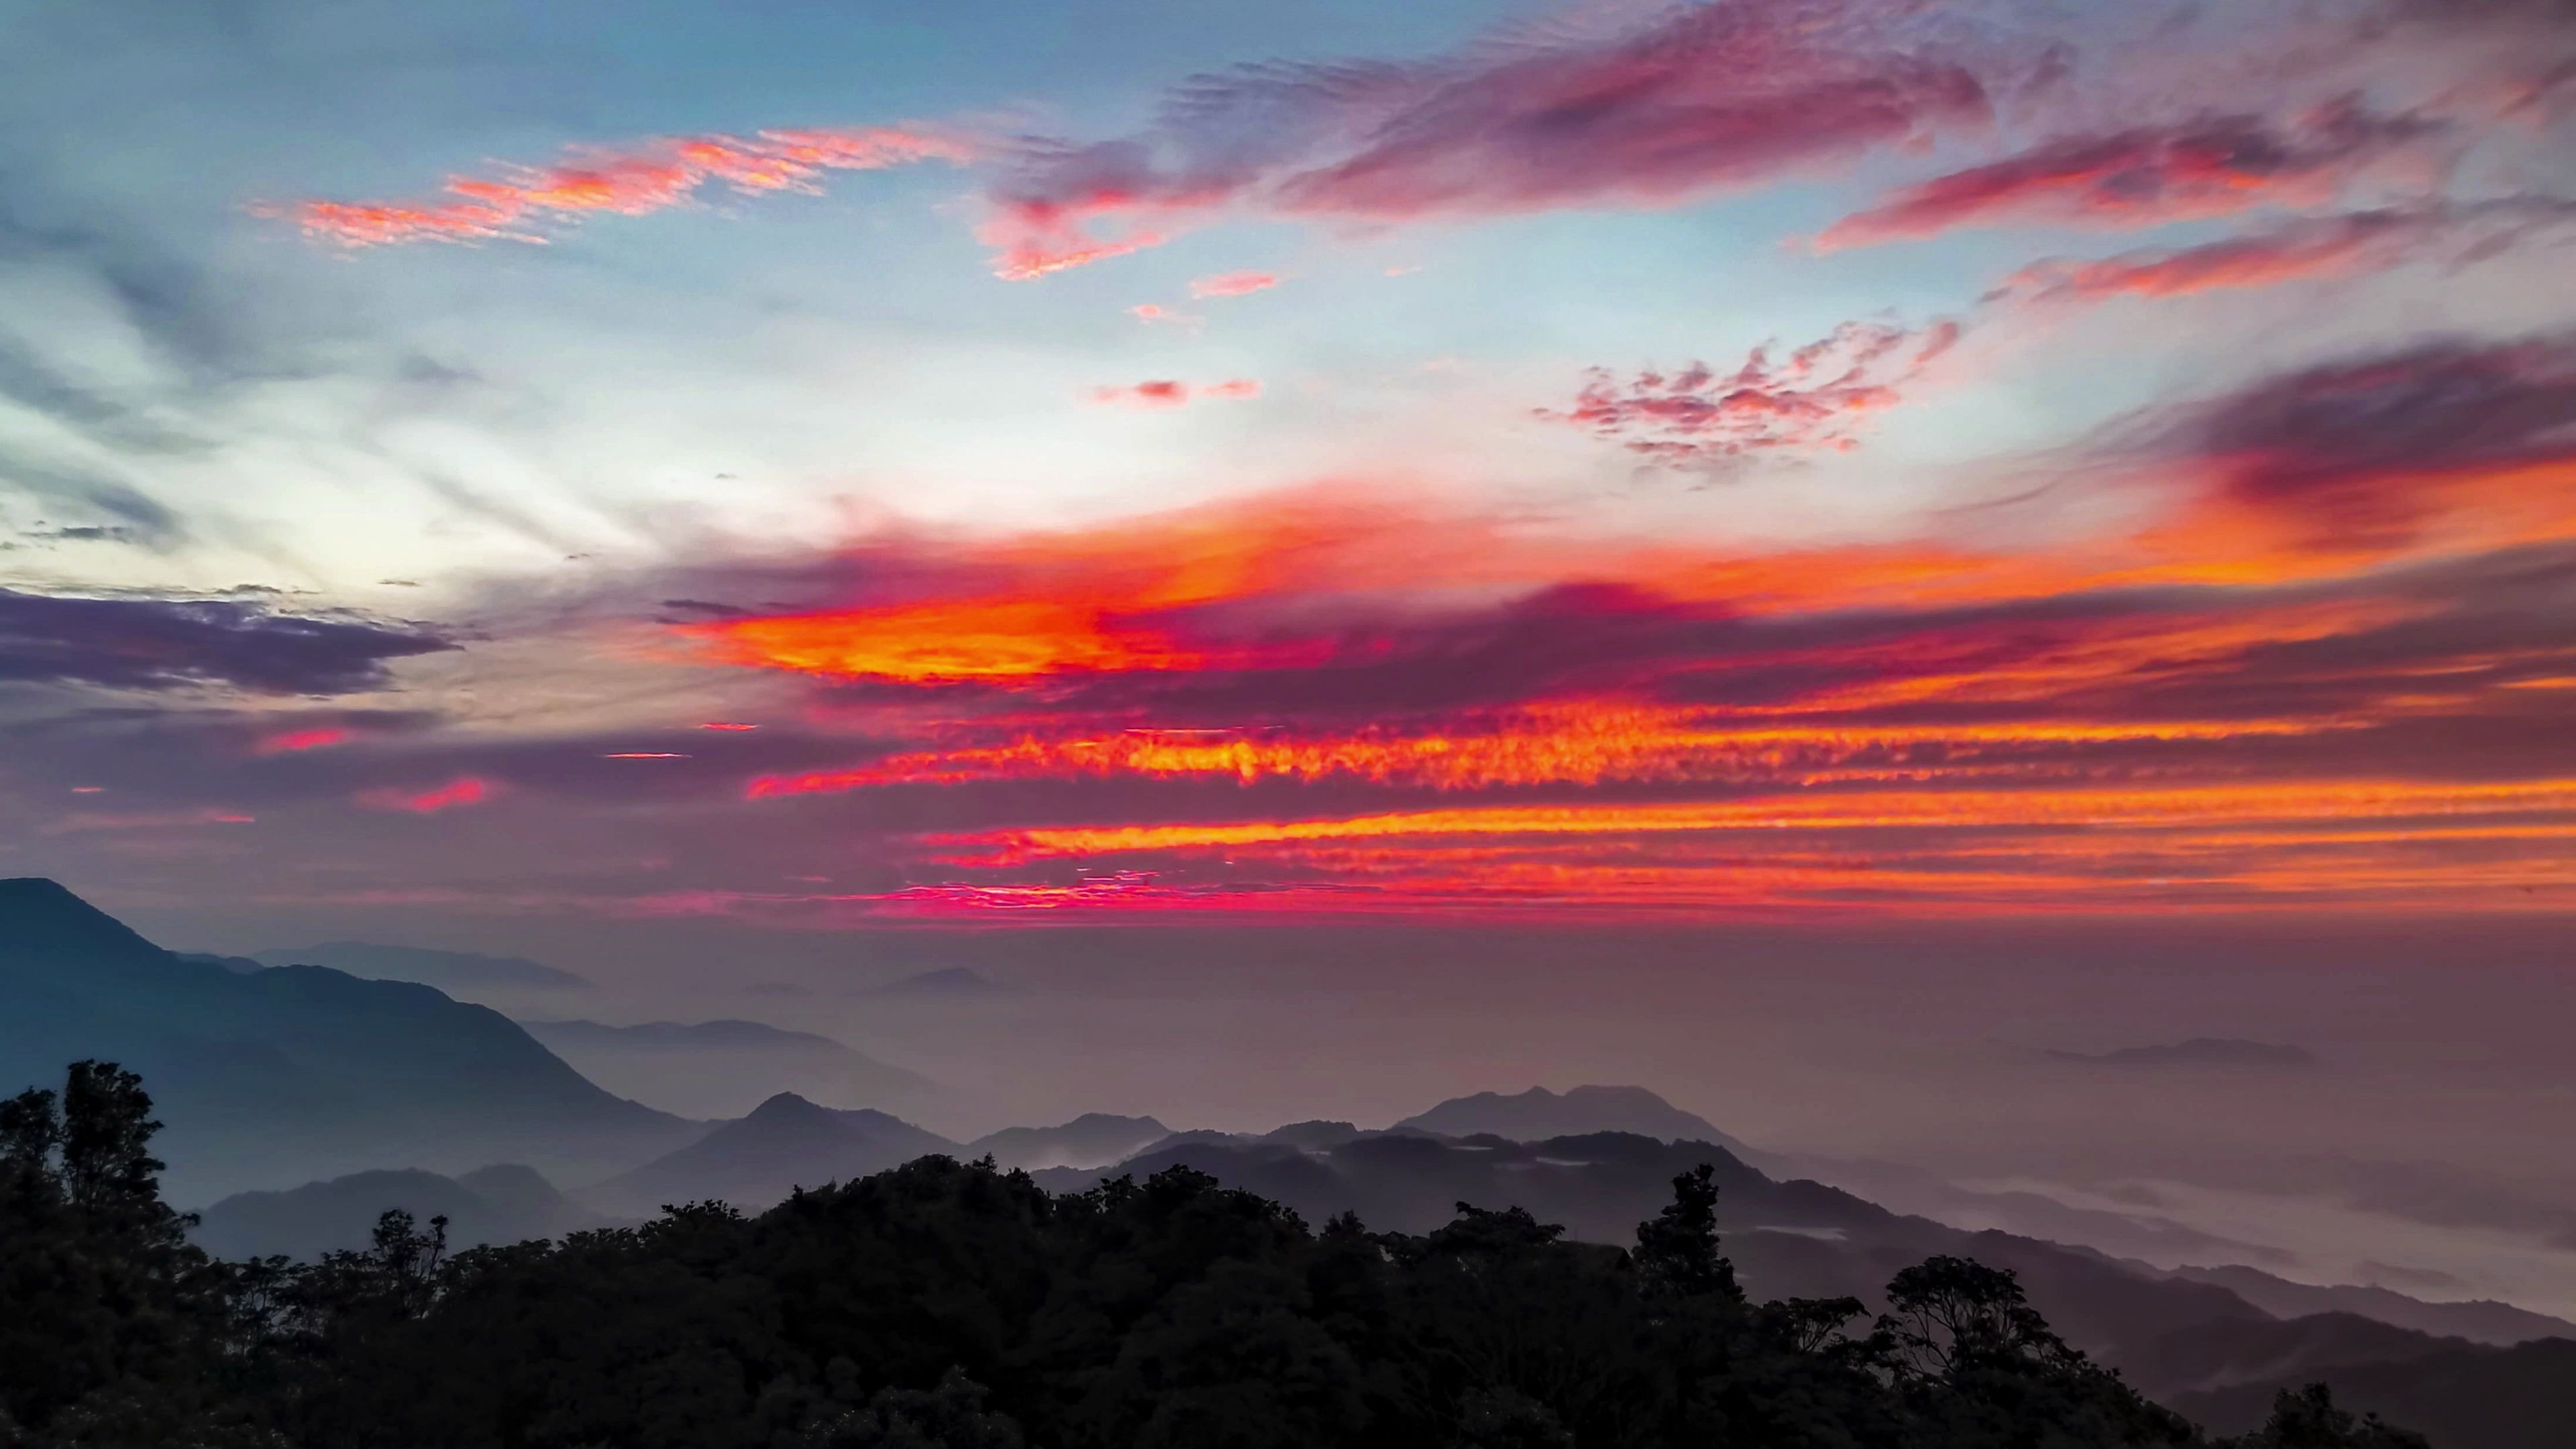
949,1305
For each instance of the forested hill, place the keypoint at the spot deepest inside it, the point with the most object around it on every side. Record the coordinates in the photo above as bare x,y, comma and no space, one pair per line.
949,1306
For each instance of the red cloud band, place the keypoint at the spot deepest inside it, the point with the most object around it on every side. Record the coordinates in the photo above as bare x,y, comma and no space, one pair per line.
455,794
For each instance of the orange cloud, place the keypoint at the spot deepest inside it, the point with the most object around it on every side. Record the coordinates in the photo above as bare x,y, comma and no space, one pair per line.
2320,663
2094,809
525,200
1577,743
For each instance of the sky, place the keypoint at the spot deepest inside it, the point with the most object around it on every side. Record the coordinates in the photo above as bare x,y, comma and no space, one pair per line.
688,486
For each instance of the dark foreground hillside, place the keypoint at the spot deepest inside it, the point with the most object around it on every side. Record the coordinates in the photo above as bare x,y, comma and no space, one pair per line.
949,1306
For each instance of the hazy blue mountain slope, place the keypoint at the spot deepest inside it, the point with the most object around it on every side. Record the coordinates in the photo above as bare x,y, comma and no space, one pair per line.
727,1068
290,1074
505,1204
1094,1139
785,1143
444,969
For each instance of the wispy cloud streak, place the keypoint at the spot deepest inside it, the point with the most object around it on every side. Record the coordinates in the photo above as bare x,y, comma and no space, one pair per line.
523,202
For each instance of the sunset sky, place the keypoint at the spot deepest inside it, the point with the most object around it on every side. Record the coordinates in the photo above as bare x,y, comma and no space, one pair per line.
816,466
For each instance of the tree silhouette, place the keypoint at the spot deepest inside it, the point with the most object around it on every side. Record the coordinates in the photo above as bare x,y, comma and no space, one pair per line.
2308,1419
110,1323
1677,1249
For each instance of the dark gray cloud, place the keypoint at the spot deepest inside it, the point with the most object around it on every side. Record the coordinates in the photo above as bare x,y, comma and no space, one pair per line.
152,643
2432,405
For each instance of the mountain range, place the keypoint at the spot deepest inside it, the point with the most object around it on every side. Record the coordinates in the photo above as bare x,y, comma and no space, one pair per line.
262,1073
295,1071
2201,1346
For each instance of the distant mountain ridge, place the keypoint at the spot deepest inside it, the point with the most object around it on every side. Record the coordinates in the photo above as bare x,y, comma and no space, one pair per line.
294,1072
2477,1320
728,1067
429,967
2199,1345
785,1143
1094,1139
503,1204
1539,1113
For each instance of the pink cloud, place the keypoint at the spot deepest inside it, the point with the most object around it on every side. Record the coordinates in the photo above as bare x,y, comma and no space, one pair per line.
457,793
2146,177
1233,284
321,737
525,200
2303,249
1154,314
1695,101
1816,398
1166,393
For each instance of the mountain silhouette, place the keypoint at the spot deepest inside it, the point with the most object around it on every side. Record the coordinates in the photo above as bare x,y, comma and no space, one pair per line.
293,1073
504,1204
2477,1320
2458,1395
727,1068
1094,1139
444,969
785,1143
1539,1113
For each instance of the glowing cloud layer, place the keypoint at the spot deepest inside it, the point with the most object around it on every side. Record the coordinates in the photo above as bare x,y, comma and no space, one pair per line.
2328,667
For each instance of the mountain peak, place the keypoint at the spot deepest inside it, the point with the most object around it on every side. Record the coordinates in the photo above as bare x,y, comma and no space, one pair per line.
788,1107
1537,1114
44,922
